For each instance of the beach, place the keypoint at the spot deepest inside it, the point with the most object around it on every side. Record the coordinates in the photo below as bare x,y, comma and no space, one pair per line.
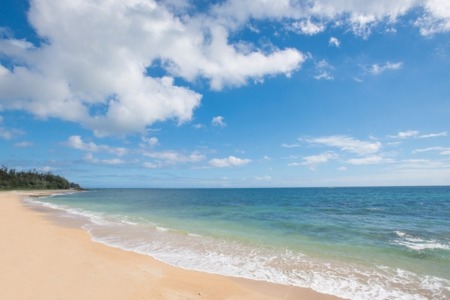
43,259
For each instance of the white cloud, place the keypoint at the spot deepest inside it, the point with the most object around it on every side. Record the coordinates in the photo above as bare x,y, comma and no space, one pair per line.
348,144
172,157
441,150
69,79
416,134
359,16
377,69
436,18
149,141
230,161
218,121
432,135
323,75
306,27
405,134
76,142
105,82
334,42
370,160
290,145
234,13
313,160
89,157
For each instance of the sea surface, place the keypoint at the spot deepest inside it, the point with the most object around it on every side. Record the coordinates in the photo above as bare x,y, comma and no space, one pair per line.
356,243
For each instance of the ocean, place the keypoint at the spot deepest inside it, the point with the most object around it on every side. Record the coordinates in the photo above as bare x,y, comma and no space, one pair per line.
355,243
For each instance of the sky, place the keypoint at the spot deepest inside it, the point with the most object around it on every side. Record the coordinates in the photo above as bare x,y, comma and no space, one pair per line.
231,93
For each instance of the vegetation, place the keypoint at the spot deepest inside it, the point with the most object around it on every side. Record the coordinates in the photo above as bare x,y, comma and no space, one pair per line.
12,179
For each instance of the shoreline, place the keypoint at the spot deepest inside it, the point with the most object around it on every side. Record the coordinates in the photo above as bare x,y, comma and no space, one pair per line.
60,262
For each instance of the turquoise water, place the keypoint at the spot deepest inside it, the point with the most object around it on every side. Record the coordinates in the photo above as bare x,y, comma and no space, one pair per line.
356,243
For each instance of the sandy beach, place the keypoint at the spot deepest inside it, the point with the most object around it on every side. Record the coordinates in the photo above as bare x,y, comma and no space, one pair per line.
42,259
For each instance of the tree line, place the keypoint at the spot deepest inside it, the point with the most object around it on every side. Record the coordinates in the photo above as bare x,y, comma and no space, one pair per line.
33,179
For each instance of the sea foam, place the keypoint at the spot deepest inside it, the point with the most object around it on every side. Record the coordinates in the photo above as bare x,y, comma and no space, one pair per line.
418,243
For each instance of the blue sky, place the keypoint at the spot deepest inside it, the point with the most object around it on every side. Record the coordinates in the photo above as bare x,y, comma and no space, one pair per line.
249,93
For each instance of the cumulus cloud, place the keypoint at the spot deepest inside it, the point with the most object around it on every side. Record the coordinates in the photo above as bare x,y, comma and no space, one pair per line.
334,42
76,142
306,27
95,69
358,16
94,63
436,18
347,144
230,161
361,16
218,121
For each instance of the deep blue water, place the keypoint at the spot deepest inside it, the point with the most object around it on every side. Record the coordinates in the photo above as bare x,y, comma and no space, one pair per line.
358,243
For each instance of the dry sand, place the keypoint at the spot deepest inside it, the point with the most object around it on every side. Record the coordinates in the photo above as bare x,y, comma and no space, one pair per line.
40,259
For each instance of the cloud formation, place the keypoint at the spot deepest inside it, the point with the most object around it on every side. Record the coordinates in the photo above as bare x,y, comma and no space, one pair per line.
89,158
218,121
313,160
76,142
171,158
416,134
377,69
334,42
439,149
230,161
347,144
370,160
94,64
306,27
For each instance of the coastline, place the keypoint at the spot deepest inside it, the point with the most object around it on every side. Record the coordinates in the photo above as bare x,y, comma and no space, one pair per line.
44,260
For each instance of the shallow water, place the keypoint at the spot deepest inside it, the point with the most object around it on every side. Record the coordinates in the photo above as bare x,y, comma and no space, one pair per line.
357,243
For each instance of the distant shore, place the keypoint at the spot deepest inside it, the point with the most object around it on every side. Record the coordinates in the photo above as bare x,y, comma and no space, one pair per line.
43,260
